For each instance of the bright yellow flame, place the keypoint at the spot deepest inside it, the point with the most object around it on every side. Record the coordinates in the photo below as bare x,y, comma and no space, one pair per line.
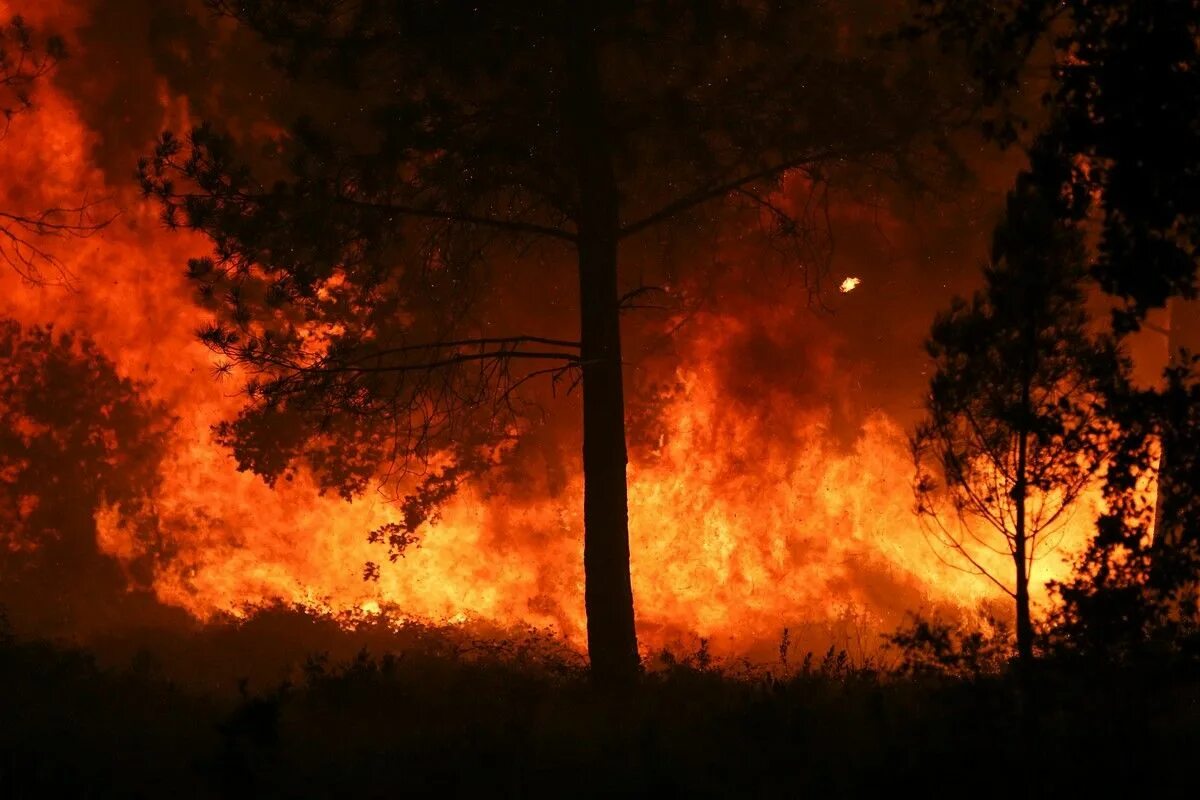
746,517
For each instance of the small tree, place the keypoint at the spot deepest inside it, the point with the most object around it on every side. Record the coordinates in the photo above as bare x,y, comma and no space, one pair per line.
1123,135
1123,127
1015,428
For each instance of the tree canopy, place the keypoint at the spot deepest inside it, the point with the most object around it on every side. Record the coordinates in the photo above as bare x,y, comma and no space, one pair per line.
1120,149
1122,143
450,161
74,435
355,260
1016,425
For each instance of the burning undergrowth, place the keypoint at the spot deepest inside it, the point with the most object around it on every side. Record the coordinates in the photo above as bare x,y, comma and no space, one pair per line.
766,489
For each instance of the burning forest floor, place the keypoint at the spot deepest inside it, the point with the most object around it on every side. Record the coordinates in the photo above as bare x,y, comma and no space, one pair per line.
287,704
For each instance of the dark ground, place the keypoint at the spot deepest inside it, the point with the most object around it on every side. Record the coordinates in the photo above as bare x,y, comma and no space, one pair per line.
452,717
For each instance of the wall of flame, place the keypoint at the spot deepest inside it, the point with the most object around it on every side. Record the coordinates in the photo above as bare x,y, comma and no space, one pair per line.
769,494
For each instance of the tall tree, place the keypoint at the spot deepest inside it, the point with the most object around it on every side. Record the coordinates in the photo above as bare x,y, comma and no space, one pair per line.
447,149
25,59
1015,429
1123,130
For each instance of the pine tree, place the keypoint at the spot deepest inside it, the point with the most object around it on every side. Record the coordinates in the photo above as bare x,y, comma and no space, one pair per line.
1016,428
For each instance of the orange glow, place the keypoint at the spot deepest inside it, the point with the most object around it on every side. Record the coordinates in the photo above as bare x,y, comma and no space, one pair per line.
738,528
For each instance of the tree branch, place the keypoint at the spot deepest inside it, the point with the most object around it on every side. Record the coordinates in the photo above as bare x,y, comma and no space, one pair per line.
704,194
481,342
458,358
512,226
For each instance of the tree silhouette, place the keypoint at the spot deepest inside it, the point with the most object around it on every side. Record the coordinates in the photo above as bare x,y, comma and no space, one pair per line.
73,435
446,143
25,59
1132,598
1015,428
1123,140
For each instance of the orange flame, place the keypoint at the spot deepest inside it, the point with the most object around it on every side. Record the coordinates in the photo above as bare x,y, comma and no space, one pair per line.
738,529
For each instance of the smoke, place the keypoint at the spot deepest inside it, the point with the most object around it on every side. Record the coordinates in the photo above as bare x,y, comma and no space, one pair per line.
770,479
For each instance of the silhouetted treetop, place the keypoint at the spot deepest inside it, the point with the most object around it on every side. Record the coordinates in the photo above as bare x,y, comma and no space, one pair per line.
699,98
1016,424
74,435
23,62
437,140
451,162
1123,138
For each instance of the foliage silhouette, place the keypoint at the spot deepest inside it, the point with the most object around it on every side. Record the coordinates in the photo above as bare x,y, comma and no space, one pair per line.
1122,151
26,58
1122,142
1134,595
74,435
450,158
936,647
1016,426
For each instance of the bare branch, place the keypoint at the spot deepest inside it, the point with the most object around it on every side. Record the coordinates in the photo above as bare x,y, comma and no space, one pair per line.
707,193
445,215
21,237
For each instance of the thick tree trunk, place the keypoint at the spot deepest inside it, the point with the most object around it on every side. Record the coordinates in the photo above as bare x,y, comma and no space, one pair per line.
608,593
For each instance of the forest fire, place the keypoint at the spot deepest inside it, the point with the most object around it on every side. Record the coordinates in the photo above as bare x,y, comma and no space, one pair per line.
745,517
689,397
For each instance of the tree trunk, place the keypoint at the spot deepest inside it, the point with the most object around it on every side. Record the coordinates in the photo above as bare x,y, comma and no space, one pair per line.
1020,496
1024,622
1183,333
608,593
1020,556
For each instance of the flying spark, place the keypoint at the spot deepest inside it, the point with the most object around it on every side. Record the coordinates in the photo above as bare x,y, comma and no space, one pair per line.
850,284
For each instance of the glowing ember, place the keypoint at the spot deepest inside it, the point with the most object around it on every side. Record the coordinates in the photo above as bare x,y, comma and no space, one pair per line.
849,285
